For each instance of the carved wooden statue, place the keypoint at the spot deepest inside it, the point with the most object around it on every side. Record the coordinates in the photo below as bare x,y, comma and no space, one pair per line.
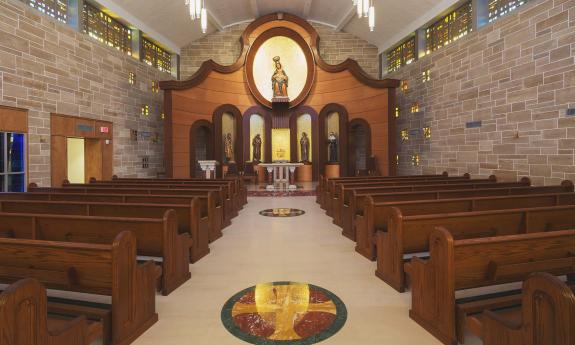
279,79
228,148
304,147
257,148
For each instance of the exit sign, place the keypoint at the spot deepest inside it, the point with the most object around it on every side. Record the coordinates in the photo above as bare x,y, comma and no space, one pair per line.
104,130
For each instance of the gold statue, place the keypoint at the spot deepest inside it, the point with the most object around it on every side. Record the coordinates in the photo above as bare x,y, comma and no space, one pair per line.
279,80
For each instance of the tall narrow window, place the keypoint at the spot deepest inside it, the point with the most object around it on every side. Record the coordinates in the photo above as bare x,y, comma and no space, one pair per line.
415,159
12,162
54,8
402,55
499,8
154,55
449,28
106,29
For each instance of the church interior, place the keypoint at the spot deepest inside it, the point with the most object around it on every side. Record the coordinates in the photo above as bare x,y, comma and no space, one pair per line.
287,172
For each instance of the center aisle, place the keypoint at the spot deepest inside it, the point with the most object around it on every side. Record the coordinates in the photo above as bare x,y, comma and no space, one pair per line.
308,248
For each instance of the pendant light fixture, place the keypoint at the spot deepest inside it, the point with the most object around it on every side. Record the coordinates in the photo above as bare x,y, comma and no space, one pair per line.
366,8
371,18
198,10
204,18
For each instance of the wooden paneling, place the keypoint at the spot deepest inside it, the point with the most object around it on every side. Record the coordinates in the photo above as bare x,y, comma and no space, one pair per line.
59,160
13,120
217,85
93,159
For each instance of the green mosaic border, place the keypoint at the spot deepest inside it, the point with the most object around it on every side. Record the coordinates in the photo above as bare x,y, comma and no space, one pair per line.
338,323
299,213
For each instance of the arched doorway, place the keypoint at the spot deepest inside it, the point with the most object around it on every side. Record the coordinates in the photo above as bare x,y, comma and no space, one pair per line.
359,149
333,118
201,145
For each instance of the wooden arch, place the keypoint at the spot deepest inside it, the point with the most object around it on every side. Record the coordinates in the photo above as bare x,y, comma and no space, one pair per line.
266,114
352,145
218,138
315,137
249,36
342,144
210,143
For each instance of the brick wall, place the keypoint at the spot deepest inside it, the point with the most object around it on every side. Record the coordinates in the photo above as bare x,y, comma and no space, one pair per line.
516,76
224,47
47,67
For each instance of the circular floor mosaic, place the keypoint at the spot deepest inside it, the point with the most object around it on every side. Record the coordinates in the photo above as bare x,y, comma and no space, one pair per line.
282,212
284,313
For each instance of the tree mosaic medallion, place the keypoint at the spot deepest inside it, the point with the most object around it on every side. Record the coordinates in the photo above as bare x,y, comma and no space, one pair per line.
282,212
285,313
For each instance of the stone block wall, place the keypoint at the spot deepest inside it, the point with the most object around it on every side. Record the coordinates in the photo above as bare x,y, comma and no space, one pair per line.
224,47
516,76
47,67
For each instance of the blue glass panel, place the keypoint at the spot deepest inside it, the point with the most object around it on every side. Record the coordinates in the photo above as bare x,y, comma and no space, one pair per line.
2,183
16,183
15,152
2,152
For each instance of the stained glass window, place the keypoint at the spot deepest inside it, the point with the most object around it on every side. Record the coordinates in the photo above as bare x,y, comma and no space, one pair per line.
12,162
54,8
498,8
145,110
154,55
415,108
449,28
404,85
426,76
402,55
397,112
106,29
155,87
415,159
132,78
427,132
404,135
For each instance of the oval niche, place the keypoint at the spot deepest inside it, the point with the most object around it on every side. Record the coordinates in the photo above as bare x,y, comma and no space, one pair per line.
280,52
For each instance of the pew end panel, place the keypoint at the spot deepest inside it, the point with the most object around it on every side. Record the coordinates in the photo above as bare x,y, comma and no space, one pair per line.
547,315
390,250
24,319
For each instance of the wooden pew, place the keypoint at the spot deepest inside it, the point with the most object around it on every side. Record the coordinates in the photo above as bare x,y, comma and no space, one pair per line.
410,234
541,323
464,264
24,319
211,216
369,219
331,187
240,183
334,200
231,199
343,212
218,214
324,181
156,237
187,219
220,202
102,269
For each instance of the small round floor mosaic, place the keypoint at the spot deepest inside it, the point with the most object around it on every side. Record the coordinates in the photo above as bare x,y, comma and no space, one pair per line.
282,212
284,313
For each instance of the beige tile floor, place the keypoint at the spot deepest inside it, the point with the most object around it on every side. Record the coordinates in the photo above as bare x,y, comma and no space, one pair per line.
308,249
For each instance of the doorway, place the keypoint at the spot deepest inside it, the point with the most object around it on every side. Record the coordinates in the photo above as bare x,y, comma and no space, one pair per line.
359,147
201,146
76,160
81,149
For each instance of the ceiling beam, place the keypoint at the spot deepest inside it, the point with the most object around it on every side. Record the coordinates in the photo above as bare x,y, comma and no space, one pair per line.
214,20
255,9
307,8
346,18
